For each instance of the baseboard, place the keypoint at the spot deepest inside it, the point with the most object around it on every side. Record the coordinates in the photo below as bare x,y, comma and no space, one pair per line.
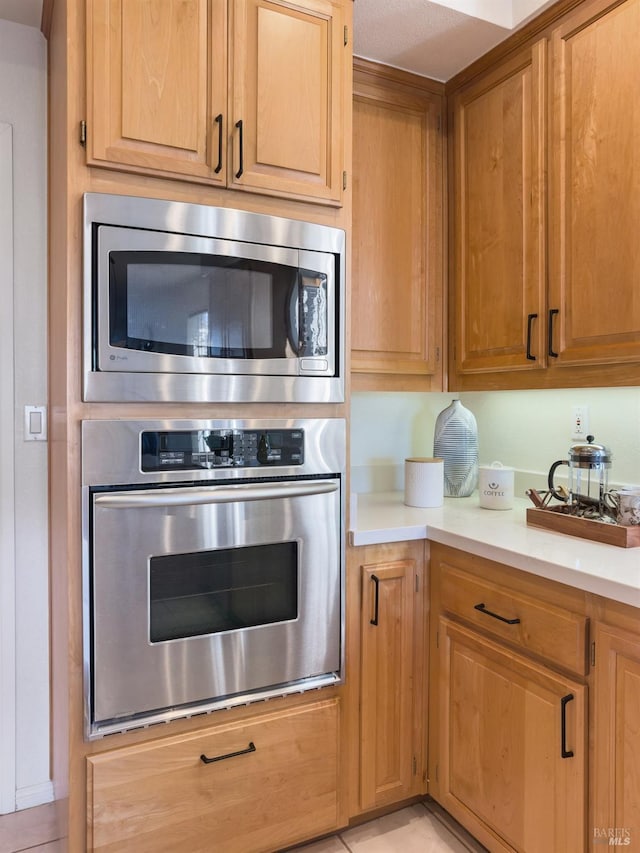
34,795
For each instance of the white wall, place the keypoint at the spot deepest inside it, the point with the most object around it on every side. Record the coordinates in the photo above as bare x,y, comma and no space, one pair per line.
23,103
525,429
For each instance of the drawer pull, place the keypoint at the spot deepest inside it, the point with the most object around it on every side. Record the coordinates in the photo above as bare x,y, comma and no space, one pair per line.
483,609
376,600
250,748
566,753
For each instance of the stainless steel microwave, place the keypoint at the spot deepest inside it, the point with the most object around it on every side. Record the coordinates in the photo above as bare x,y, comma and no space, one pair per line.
191,303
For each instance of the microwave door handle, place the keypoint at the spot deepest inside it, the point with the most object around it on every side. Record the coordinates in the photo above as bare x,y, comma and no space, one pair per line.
222,494
293,331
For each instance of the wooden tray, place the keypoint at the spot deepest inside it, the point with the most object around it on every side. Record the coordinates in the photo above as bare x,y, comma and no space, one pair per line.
553,518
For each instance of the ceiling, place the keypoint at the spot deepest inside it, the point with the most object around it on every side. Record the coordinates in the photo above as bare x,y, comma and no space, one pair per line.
434,38
28,12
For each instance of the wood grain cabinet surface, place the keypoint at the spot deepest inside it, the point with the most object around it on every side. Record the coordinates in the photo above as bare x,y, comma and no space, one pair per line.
247,94
397,281
387,683
594,179
274,782
616,772
508,719
390,637
498,283
513,745
546,210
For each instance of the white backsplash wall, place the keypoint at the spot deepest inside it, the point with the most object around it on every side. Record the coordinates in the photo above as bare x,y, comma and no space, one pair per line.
525,429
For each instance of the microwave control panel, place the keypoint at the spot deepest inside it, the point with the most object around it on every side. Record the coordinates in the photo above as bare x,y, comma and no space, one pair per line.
195,450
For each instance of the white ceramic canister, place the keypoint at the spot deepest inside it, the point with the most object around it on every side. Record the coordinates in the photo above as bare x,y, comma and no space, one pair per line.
423,482
495,486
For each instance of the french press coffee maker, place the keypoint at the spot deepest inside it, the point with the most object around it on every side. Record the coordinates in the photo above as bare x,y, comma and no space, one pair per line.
588,476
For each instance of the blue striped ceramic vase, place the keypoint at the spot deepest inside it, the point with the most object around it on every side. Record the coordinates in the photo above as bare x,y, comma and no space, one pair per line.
456,441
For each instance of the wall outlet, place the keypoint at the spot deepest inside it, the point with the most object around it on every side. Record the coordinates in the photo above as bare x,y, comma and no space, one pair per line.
579,422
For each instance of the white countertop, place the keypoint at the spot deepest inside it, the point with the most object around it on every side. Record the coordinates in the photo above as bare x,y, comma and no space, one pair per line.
503,536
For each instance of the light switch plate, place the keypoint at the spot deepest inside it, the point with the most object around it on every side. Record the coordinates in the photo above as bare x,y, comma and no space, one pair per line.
35,423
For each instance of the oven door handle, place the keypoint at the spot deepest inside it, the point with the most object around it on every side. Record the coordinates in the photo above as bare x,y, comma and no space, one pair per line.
216,495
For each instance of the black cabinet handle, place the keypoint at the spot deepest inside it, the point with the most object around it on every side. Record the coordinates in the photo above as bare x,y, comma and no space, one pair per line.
566,753
218,121
376,600
250,748
483,609
530,319
552,314
241,137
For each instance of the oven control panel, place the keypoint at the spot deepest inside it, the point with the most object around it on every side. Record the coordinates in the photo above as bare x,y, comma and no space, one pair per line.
194,450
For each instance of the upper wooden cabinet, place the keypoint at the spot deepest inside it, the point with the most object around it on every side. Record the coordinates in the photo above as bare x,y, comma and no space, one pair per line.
594,181
498,297
516,320
397,281
248,94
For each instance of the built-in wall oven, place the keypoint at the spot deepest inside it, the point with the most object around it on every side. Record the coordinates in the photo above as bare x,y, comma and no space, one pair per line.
213,564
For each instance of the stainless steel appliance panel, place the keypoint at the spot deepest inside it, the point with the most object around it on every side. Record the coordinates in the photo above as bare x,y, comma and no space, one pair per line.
317,380
207,587
133,675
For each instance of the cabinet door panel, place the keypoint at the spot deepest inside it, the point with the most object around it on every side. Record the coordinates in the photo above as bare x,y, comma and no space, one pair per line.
397,235
595,176
499,281
617,736
149,82
501,740
386,741
287,92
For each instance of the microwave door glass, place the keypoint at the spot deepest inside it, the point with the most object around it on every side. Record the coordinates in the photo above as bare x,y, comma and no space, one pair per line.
206,306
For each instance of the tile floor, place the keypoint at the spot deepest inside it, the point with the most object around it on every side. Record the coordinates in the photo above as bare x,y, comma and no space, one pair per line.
421,828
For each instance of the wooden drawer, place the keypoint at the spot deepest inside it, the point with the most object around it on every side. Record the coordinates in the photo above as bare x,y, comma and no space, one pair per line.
161,796
556,634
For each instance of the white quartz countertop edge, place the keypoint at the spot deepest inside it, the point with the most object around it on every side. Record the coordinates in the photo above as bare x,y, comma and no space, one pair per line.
503,536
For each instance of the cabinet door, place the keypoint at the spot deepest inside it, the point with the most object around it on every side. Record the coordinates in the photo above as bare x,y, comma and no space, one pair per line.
397,277
288,64
594,180
389,638
512,745
273,782
151,88
616,776
498,299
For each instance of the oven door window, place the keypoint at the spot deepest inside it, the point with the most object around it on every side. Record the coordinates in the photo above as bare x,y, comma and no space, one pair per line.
210,592
203,306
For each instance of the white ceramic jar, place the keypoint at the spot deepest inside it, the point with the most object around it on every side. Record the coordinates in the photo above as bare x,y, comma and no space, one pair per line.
495,486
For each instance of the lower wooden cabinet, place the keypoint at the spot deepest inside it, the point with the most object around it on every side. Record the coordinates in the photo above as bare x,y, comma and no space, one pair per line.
512,746
509,704
392,674
616,777
273,782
